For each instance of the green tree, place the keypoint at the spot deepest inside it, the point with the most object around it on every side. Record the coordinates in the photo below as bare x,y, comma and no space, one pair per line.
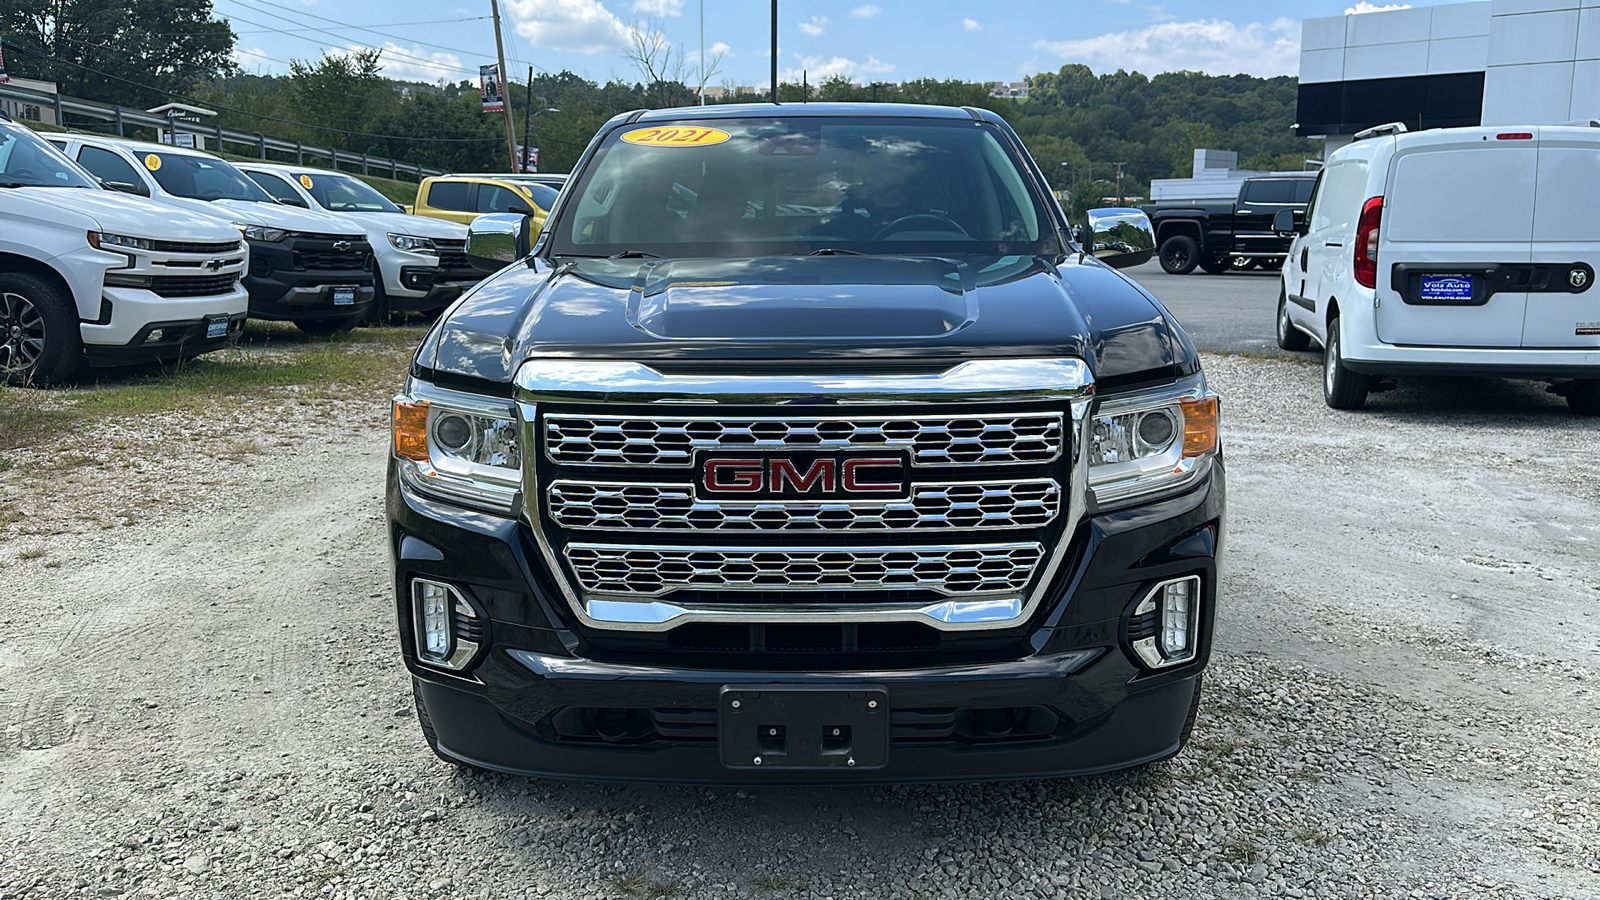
132,52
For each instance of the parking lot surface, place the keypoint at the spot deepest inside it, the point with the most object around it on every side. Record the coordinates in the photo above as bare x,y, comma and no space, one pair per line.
1233,312
201,693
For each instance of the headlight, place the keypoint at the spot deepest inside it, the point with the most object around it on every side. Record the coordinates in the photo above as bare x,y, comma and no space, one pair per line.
459,447
1151,442
100,239
407,242
263,233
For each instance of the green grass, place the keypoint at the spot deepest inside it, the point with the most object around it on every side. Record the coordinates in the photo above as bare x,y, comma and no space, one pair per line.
367,362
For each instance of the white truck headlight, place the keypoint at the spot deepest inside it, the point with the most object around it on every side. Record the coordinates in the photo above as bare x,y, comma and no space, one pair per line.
1151,441
410,243
459,447
103,240
263,233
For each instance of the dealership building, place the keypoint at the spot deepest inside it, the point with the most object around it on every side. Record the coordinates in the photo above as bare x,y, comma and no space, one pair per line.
1493,62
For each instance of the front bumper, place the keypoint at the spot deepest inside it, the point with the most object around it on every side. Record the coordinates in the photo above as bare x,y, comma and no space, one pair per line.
166,341
135,311
546,694
284,283
426,288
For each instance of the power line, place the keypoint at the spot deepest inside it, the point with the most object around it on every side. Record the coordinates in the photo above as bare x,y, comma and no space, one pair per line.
398,54
279,30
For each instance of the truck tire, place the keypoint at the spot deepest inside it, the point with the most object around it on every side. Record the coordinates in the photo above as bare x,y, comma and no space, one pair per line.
1583,396
428,733
378,310
1341,388
39,338
1244,263
1289,337
1179,254
1215,265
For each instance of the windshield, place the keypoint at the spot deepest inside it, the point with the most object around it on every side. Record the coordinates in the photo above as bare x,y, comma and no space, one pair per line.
201,177
27,161
542,194
341,193
751,187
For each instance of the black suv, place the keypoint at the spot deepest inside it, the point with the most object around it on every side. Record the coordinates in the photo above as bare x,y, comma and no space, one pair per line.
806,446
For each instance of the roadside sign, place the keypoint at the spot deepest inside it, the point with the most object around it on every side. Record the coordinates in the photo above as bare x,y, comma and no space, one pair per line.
489,83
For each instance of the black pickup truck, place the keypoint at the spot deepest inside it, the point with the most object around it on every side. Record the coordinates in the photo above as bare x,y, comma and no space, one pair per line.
852,468
1238,234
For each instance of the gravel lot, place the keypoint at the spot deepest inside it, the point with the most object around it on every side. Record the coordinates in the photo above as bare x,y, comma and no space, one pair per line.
200,693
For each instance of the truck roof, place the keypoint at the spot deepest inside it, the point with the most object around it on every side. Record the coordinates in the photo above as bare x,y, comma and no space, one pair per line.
831,110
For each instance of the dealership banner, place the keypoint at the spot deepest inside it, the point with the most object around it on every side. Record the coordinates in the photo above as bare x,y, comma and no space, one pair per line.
3,76
529,157
494,99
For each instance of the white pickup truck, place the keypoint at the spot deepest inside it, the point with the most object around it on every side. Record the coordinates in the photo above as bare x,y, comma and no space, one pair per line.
90,274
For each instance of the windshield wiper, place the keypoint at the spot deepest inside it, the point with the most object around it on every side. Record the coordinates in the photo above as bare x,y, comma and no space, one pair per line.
634,254
13,184
835,251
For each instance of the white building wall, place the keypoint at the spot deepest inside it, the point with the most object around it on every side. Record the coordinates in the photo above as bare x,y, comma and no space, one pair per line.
1425,40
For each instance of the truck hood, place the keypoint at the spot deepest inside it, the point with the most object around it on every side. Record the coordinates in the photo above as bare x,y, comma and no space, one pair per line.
382,223
125,214
272,215
849,309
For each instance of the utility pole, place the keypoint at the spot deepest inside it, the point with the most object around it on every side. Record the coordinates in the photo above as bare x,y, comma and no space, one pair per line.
774,51
1119,183
527,125
702,52
805,87
505,100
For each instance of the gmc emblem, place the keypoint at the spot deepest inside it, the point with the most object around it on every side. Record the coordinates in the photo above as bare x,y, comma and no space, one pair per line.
819,476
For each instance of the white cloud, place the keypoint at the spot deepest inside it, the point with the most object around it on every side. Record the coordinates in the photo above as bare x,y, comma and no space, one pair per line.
1365,7
1212,46
583,26
971,24
251,59
411,66
864,12
720,49
658,7
819,68
816,26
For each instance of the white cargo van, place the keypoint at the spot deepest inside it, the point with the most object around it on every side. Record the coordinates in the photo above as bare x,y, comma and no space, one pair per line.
1451,251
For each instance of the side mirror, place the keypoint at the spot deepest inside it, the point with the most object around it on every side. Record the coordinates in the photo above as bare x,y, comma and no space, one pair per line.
125,187
1283,223
496,240
293,201
520,209
1122,237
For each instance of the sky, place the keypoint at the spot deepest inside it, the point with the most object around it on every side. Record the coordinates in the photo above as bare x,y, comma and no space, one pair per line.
881,40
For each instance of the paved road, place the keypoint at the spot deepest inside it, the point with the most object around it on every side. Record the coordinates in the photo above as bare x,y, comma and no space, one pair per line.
1232,312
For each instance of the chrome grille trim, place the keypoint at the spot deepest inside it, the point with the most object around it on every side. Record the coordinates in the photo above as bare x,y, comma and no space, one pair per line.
952,571
984,439
672,508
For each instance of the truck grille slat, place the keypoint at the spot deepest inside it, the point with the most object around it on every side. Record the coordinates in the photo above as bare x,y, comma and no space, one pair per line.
193,285
952,571
931,507
979,440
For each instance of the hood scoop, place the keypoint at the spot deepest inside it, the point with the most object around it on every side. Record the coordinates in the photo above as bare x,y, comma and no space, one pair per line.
815,298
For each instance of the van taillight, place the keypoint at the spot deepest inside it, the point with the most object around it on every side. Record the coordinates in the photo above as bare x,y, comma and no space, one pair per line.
1514,136
1367,243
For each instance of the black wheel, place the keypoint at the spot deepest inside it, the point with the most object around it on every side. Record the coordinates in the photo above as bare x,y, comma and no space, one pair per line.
1244,263
429,735
1179,254
322,327
1289,337
39,338
378,310
1271,265
1215,265
1341,388
1583,397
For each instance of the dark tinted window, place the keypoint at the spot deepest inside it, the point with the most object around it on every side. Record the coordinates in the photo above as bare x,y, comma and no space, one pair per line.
109,167
1303,188
277,187
543,195
494,198
1274,190
202,178
448,195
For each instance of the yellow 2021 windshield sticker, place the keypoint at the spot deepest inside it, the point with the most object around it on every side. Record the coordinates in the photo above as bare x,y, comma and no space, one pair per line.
305,182
676,136
152,162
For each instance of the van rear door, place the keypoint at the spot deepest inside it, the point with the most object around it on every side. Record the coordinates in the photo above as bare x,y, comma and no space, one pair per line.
1459,206
1564,309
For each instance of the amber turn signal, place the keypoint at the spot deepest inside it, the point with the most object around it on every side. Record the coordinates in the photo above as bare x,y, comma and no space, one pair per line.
1199,425
411,429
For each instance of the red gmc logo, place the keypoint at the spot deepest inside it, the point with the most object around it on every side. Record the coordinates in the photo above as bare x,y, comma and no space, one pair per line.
775,475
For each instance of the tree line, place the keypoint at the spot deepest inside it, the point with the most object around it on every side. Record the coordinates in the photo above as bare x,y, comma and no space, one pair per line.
1078,125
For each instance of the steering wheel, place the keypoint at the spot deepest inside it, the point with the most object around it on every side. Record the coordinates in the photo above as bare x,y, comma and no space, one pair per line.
919,222
22,170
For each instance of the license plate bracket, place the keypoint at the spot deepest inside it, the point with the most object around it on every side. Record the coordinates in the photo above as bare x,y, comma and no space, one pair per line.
766,726
344,296
1447,288
216,327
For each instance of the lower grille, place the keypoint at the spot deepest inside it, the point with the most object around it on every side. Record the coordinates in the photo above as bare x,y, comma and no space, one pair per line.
649,571
330,260
928,726
193,247
193,285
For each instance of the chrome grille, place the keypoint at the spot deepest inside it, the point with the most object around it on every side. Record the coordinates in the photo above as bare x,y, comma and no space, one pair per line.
931,507
932,440
949,571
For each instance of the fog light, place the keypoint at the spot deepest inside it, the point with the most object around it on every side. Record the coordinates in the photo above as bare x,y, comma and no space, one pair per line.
1165,625
447,629
155,336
